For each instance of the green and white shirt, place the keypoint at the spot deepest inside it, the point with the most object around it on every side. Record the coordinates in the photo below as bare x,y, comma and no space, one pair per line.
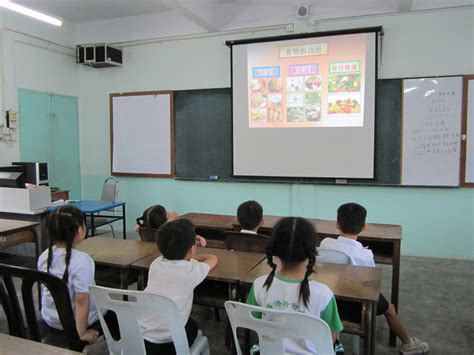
283,294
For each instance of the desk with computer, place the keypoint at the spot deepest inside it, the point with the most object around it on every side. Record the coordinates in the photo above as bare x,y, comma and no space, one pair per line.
25,195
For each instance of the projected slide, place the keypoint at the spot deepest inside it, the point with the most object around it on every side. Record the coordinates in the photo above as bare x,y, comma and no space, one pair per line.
312,82
304,105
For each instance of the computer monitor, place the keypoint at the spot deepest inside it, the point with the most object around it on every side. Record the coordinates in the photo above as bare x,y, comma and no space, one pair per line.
35,173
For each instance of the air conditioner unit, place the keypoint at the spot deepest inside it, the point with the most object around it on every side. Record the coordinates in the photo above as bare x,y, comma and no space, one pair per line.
99,55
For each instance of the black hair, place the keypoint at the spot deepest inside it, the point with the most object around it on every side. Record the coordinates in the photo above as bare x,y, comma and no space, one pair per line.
351,218
249,214
175,238
63,225
294,240
153,217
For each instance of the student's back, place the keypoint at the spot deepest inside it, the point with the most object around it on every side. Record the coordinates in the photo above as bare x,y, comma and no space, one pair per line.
289,286
358,254
66,227
175,274
81,276
351,222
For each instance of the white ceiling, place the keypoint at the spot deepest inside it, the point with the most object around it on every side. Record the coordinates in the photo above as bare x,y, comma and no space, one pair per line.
212,14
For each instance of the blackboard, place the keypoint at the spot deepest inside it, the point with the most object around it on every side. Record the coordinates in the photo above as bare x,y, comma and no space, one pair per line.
203,133
203,136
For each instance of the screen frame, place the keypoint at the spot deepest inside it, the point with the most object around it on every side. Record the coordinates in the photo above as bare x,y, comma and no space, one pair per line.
379,33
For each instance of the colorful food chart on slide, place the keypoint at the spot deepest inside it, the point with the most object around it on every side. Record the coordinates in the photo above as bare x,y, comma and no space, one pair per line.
315,82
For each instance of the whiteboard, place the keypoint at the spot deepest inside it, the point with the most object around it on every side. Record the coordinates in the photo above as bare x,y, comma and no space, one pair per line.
431,131
469,168
142,134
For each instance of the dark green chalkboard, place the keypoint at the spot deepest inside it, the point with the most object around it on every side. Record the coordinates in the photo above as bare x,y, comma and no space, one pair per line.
203,136
203,133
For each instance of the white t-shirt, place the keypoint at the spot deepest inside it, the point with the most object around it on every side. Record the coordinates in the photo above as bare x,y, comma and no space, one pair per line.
359,255
284,293
81,276
175,279
247,231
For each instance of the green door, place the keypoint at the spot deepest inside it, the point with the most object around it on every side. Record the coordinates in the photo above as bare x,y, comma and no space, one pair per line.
49,133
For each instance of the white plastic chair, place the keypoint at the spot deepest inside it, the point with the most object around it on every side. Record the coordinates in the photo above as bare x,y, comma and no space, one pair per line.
278,325
338,257
138,303
333,256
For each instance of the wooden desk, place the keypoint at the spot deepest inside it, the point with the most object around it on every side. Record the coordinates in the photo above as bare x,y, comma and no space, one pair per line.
348,282
10,345
118,253
211,221
14,232
59,195
231,266
383,239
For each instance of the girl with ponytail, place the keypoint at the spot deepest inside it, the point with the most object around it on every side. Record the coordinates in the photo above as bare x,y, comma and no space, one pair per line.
289,285
66,228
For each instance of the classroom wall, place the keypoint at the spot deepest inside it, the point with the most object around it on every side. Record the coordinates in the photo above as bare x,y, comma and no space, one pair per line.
32,63
436,222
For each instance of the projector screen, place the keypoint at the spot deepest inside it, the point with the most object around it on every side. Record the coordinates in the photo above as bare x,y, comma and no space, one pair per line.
304,107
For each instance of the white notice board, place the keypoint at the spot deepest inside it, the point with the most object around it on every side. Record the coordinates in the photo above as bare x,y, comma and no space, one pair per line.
142,134
431,131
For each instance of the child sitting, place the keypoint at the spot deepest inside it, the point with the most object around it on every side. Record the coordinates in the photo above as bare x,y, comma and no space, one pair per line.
250,216
66,227
290,287
351,222
175,274
152,219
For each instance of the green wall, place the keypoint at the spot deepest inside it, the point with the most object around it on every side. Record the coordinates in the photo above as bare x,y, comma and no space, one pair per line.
436,222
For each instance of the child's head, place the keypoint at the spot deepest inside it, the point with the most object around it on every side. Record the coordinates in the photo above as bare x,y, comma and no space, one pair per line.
294,240
176,239
65,225
153,217
351,218
250,215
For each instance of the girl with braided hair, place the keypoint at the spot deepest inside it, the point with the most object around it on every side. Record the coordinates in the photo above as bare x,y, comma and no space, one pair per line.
66,227
289,285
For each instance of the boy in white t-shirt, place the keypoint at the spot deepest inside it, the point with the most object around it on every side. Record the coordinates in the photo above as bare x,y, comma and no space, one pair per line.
351,222
250,216
175,274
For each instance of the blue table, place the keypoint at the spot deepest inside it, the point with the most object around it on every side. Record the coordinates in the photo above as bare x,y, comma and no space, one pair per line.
92,208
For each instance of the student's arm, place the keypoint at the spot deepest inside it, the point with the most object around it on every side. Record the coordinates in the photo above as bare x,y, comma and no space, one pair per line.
171,216
208,259
201,241
81,305
331,316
